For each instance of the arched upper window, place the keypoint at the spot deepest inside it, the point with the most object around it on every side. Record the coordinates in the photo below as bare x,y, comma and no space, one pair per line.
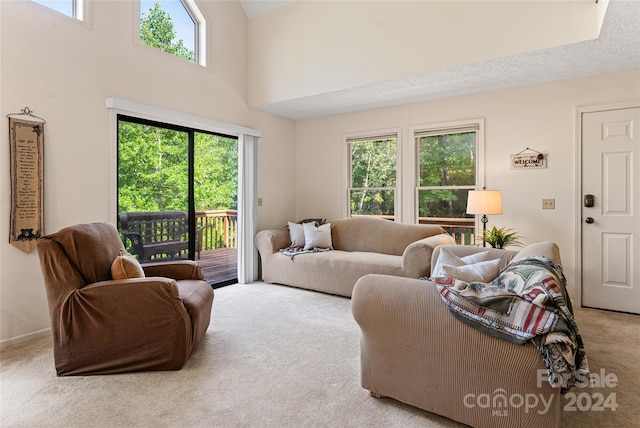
72,8
173,26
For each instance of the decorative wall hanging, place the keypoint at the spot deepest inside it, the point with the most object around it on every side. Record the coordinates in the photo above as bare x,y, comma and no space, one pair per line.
26,140
528,159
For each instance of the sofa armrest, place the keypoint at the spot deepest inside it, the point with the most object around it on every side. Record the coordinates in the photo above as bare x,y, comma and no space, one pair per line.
416,259
269,241
178,270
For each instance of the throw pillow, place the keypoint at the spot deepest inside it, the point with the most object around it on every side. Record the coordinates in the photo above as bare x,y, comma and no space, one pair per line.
474,267
126,266
296,233
475,272
317,236
446,257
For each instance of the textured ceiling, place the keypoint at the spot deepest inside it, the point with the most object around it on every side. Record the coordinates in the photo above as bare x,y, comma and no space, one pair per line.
617,49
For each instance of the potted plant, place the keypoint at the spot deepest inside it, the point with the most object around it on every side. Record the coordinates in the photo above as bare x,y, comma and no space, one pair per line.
501,237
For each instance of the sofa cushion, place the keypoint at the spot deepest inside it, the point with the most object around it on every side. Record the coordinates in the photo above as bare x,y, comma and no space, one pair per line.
376,235
317,236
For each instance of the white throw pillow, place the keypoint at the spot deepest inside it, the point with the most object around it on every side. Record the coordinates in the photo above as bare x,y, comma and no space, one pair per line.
446,257
317,237
474,267
485,271
296,234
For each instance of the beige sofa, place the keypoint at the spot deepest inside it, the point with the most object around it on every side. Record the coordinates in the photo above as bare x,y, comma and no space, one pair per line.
415,351
362,245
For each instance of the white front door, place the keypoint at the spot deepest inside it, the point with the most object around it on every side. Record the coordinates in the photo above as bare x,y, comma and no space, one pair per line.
611,209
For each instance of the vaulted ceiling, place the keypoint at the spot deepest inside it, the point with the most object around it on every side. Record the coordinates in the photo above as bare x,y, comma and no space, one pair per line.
616,49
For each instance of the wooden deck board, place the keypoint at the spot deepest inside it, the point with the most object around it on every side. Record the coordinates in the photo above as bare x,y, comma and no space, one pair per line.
219,266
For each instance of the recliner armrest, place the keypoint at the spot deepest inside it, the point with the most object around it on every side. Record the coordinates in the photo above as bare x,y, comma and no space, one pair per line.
178,270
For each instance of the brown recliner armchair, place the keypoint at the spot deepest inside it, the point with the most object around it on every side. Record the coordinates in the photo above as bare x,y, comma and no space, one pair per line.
101,325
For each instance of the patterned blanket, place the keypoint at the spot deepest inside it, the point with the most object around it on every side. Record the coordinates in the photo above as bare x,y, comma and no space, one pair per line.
294,251
528,301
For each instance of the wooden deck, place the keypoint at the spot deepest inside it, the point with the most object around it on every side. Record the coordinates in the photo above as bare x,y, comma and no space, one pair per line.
220,266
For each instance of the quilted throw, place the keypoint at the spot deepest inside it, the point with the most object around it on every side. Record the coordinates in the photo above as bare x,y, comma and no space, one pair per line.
528,301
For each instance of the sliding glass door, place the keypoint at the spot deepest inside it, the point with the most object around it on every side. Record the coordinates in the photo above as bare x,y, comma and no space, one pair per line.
216,205
177,195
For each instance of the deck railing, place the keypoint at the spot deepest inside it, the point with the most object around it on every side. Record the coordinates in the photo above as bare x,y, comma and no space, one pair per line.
219,228
461,229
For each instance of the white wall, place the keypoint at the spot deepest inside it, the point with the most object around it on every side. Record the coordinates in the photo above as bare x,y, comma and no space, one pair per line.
313,47
541,117
63,70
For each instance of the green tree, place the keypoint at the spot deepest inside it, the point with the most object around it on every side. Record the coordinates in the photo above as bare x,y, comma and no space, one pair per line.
446,160
153,170
215,172
157,30
373,165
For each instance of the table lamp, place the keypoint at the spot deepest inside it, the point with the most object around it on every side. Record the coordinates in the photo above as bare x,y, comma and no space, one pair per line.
484,202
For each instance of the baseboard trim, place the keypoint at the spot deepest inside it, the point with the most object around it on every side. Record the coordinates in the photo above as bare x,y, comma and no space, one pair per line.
7,343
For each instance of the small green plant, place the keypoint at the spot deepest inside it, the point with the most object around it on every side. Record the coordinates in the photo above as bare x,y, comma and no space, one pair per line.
501,237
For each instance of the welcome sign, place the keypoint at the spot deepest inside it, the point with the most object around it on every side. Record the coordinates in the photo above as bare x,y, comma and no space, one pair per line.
528,161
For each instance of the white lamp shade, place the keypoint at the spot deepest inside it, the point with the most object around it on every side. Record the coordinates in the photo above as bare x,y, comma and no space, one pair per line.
484,202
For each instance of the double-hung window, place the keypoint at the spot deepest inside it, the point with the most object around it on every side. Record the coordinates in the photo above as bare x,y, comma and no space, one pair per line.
447,168
373,175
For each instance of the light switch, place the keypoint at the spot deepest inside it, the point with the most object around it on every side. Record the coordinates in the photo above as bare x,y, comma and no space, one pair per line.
259,202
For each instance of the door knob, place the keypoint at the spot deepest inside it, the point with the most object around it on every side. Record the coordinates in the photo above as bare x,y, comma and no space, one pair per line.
589,220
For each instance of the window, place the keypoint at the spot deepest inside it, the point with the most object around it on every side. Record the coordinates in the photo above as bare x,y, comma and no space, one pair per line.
447,170
373,175
72,8
173,26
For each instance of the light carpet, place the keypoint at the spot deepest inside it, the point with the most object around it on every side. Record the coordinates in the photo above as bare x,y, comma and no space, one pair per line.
274,356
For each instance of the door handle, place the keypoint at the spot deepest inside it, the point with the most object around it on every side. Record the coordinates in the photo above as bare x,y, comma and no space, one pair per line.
589,220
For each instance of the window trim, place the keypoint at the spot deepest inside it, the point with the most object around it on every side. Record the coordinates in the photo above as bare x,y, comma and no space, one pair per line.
383,134
476,124
200,22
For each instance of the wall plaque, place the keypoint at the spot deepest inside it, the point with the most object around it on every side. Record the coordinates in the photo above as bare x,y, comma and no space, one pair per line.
26,139
529,160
